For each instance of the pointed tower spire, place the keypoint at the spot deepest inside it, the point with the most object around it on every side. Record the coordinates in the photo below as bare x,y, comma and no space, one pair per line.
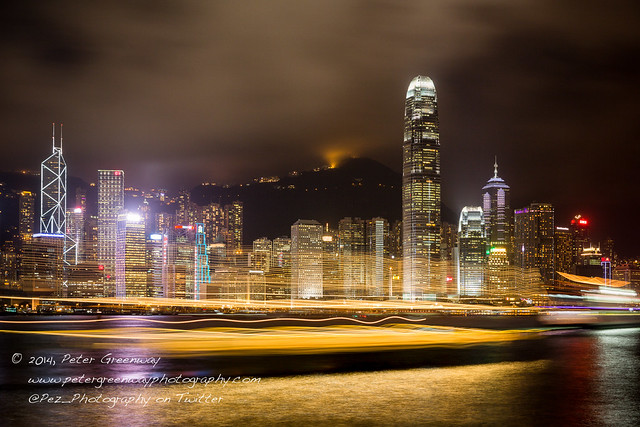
53,136
495,168
61,137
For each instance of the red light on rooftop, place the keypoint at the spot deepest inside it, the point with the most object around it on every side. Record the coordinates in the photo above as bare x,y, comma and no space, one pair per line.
583,222
116,173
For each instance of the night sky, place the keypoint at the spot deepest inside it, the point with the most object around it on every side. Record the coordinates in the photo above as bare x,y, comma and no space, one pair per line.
180,92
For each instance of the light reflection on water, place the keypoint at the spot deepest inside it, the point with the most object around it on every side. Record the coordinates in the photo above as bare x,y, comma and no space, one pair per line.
574,378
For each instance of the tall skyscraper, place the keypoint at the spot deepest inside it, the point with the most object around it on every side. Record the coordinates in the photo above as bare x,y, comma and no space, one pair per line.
202,273
563,250
234,219
306,259
533,237
580,228
110,205
53,191
131,257
496,206
421,190
26,215
377,256
351,247
472,258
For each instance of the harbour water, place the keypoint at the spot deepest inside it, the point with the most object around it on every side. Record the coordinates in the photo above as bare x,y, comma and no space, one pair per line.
563,377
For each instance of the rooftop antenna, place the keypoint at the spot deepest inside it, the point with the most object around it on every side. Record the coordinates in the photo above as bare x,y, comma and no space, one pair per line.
61,137
53,135
495,168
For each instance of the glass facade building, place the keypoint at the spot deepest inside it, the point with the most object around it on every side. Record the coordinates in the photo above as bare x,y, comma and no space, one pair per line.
421,216
110,205
472,257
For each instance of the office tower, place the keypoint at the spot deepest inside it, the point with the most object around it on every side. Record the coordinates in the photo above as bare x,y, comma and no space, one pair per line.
281,252
75,232
233,225
214,224
449,242
395,239
279,283
110,205
130,265
261,254
185,214
181,262
156,250
533,236
306,259
580,229
496,207
472,256
351,248
26,215
202,274
332,282
563,250
420,190
42,265
53,191
377,254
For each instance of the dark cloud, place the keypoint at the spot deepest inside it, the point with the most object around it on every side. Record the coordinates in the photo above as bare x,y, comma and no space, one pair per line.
181,92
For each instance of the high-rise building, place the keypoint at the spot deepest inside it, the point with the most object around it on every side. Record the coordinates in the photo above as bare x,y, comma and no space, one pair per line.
351,248
131,257
202,274
75,233
563,250
234,220
306,259
377,257
496,206
261,254
181,262
472,258
421,190
110,205
157,268
26,215
53,191
580,228
533,236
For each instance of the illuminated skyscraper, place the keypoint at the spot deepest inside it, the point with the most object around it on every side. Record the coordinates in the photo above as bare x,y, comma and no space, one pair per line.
496,206
533,237
233,216
53,191
377,256
131,257
75,232
202,273
351,232
421,190
26,215
110,205
306,259
472,259
563,250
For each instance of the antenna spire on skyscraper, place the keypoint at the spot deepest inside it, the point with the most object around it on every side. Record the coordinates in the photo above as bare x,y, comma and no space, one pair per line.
495,167
53,136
